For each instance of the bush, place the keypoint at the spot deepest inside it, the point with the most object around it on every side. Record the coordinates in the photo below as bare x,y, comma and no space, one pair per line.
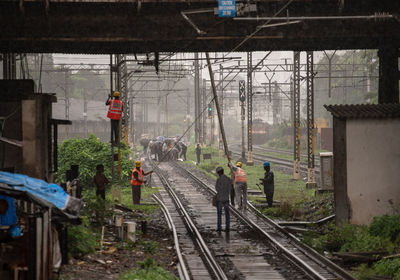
386,226
390,268
87,153
81,239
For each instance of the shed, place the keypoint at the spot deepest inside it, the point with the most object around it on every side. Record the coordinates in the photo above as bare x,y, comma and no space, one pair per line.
41,211
366,161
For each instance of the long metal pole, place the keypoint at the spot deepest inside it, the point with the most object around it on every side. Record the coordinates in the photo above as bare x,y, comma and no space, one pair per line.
249,109
310,120
296,116
221,125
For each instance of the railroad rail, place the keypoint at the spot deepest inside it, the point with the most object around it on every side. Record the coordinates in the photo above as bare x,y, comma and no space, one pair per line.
216,270
223,255
276,160
305,258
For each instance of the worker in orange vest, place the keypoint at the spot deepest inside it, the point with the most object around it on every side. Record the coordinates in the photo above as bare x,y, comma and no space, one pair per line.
137,181
114,113
240,185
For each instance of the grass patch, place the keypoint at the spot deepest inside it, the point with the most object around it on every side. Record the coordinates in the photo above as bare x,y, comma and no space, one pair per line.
148,270
291,193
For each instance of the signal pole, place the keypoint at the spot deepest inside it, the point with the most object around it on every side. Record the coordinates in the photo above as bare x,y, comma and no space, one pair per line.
296,116
249,109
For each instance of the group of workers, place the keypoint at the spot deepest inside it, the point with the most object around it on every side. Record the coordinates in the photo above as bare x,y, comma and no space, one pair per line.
236,188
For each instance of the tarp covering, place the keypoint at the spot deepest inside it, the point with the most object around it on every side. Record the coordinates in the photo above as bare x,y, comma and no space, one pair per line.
50,194
10,217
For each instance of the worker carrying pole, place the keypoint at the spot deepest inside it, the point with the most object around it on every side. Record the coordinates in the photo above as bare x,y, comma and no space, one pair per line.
114,113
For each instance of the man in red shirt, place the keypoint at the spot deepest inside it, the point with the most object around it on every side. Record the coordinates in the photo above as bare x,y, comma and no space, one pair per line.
114,113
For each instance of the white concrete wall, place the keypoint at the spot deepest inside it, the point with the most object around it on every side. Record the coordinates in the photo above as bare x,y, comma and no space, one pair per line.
373,168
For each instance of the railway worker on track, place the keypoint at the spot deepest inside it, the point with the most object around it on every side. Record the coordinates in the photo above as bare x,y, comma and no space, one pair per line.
137,181
198,153
240,185
223,187
114,113
268,182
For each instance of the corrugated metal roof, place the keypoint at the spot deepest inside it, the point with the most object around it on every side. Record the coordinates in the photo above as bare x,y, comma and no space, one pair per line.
364,111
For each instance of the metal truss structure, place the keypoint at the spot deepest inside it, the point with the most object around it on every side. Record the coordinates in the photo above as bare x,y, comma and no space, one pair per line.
310,120
249,109
296,115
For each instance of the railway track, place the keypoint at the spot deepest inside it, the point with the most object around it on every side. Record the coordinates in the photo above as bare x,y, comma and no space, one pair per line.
257,157
255,248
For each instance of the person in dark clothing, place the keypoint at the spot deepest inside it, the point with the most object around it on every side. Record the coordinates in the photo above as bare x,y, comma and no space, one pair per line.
183,150
100,181
137,181
198,153
114,113
268,182
223,187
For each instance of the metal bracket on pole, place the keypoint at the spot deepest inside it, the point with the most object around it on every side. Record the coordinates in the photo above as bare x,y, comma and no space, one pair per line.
296,116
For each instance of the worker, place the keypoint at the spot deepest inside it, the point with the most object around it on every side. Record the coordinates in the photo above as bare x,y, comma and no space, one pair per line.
100,181
198,153
114,113
222,186
268,182
183,150
137,181
240,185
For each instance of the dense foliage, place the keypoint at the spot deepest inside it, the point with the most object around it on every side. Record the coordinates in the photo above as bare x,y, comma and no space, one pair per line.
383,235
81,239
87,153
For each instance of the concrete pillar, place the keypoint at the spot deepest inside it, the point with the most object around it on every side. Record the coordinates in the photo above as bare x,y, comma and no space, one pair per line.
388,75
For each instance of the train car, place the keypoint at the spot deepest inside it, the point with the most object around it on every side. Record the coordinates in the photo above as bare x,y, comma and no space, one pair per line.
260,132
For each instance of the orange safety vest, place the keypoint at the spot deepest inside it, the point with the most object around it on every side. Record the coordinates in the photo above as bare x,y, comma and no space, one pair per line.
115,109
134,182
240,176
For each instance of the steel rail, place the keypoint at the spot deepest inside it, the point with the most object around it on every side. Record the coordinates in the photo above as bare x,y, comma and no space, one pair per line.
216,269
279,161
176,240
311,253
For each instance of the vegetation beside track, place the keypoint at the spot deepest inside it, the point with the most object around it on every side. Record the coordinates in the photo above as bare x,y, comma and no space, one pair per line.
84,239
379,242
296,202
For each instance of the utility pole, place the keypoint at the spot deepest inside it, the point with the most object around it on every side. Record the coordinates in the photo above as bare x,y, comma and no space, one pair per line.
204,118
196,98
221,109
310,120
296,116
85,113
249,109
242,99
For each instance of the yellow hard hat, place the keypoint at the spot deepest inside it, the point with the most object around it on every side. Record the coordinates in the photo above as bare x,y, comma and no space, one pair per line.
138,163
239,164
116,94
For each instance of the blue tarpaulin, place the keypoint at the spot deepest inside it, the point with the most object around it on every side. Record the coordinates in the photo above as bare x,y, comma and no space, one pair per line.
10,217
49,192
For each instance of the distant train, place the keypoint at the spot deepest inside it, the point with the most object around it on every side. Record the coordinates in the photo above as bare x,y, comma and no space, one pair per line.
260,132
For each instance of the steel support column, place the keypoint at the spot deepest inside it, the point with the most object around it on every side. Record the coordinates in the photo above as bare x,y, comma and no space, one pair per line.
388,75
249,109
221,103
296,115
310,121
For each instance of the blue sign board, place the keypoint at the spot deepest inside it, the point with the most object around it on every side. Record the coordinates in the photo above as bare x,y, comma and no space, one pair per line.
226,8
